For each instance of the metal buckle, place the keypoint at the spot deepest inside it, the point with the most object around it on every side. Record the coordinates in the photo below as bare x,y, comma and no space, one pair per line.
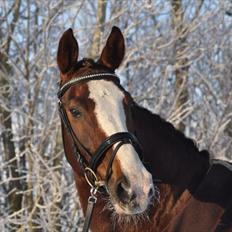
92,198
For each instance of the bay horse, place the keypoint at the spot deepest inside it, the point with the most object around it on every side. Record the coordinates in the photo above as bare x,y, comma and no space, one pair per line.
133,170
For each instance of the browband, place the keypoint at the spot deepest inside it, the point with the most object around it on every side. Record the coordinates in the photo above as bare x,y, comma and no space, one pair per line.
75,80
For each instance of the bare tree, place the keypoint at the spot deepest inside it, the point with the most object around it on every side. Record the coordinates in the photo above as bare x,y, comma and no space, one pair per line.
100,20
181,61
6,114
177,64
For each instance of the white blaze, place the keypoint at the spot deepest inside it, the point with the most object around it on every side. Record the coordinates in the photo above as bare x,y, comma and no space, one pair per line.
111,118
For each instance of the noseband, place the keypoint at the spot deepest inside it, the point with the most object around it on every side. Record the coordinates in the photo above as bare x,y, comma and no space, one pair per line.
90,164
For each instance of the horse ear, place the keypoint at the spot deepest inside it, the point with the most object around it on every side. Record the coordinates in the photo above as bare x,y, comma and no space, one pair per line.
67,51
114,50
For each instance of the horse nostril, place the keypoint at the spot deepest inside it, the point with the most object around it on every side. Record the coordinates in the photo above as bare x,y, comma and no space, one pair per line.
124,192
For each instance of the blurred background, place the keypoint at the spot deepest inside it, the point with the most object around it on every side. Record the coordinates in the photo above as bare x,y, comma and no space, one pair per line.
178,64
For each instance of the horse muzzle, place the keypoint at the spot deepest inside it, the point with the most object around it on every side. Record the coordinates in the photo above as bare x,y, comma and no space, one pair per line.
132,192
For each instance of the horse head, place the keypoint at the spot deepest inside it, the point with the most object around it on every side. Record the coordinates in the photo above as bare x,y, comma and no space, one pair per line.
96,111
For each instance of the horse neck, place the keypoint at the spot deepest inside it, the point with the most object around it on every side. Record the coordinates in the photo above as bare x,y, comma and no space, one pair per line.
168,154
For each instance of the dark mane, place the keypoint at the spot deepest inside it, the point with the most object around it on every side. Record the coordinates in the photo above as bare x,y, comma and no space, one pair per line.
177,136
169,155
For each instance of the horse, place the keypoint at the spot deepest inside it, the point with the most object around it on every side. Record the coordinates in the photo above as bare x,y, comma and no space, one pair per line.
133,170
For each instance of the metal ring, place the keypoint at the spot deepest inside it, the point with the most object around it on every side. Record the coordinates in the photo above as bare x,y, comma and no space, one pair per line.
87,169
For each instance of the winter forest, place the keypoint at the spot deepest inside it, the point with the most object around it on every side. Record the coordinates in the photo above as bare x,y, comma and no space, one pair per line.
178,63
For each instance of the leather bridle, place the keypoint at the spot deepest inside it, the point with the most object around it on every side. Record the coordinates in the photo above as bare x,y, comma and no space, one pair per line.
90,164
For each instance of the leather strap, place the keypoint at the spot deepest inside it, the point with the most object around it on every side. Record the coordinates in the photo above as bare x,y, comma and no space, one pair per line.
125,137
89,212
80,158
109,167
79,79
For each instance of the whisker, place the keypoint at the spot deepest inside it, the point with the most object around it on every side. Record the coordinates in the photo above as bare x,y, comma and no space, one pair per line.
121,221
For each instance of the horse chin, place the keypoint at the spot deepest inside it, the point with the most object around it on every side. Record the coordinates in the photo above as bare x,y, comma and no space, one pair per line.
124,210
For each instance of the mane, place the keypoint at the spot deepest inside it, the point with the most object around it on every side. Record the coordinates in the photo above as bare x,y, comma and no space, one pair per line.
169,130
190,143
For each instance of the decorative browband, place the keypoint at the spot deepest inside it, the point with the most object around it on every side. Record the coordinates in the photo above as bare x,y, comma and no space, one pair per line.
75,80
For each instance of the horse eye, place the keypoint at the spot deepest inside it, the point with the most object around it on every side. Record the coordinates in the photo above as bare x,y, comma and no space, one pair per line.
75,113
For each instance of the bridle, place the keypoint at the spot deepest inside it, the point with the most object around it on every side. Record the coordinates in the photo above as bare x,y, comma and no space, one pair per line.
90,164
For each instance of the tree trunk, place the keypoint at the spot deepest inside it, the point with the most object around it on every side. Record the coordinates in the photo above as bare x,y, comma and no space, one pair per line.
15,199
101,13
181,55
181,68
